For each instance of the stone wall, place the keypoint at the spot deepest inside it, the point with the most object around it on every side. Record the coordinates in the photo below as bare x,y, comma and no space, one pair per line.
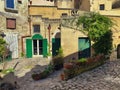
21,17
69,42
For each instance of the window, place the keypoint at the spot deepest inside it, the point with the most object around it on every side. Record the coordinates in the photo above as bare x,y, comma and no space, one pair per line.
102,6
11,23
36,28
10,6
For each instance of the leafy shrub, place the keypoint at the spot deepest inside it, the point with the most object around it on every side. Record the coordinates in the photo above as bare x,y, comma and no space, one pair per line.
82,65
104,44
58,62
6,71
36,77
44,74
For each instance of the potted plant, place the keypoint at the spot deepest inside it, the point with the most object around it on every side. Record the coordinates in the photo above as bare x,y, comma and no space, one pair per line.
36,77
62,76
68,65
57,62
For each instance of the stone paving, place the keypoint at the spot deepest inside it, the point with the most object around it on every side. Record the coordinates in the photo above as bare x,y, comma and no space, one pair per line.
105,77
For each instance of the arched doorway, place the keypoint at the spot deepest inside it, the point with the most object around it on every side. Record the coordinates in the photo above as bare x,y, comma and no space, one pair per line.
56,43
118,51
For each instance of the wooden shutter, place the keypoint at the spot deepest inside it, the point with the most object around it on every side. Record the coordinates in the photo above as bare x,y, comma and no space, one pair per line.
29,48
56,44
44,47
10,4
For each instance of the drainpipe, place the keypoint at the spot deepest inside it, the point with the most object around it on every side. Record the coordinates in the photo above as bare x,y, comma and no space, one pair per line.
29,21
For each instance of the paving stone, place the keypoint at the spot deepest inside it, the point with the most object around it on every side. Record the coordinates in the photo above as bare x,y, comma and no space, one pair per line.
105,77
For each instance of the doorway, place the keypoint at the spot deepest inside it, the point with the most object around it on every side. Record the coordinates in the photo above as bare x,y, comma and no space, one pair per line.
118,51
84,47
37,47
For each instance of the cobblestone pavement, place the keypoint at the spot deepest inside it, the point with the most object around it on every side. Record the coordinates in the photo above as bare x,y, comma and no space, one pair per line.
105,77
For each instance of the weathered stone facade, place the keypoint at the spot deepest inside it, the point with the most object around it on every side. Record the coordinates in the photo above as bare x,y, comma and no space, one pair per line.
21,28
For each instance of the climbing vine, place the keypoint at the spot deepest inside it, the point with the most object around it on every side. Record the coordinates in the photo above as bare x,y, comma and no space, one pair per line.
98,28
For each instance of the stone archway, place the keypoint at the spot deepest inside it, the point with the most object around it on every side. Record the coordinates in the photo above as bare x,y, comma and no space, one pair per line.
56,42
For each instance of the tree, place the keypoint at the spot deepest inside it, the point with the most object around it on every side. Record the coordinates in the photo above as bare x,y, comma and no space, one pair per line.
98,30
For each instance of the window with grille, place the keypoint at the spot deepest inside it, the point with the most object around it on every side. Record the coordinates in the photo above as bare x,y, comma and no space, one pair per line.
36,28
102,7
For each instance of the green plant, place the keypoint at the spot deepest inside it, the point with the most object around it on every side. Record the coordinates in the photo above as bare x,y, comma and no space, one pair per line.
2,48
48,70
6,71
82,60
60,52
22,54
58,62
98,30
104,44
36,77
49,54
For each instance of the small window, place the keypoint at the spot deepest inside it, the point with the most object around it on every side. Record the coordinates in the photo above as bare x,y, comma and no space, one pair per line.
36,28
11,23
64,14
102,7
10,6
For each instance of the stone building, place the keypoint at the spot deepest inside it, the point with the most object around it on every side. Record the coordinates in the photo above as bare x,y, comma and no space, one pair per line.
14,24
110,8
45,20
33,27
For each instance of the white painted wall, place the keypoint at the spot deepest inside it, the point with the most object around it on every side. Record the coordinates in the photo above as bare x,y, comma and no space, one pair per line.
12,41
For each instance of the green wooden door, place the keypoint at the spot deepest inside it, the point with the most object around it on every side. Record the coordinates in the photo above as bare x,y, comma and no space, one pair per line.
44,47
118,51
84,47
29,48
56,44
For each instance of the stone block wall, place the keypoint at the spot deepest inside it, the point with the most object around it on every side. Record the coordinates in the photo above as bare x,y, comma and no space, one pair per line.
21,17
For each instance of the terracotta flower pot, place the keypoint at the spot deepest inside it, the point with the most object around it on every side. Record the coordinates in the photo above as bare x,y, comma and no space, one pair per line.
36,77
68,65
62,76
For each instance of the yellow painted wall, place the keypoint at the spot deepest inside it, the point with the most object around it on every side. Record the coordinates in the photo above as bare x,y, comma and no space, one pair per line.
85,5
69,42
48,12
42,2
116,30
65,4
95,5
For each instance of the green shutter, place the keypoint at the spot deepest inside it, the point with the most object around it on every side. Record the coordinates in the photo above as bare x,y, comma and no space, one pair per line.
56,44
44,47
29,48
